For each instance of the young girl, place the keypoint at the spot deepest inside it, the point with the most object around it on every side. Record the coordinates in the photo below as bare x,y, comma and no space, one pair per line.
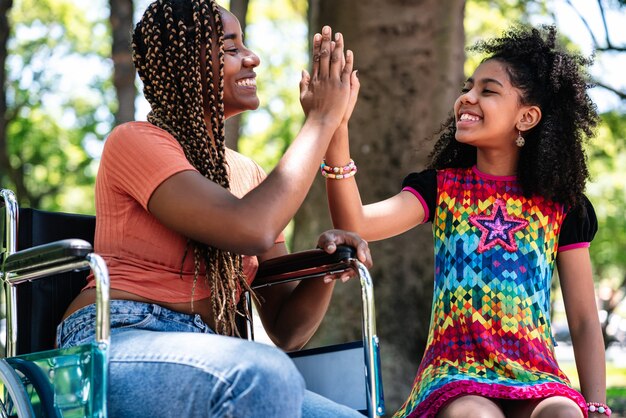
504,194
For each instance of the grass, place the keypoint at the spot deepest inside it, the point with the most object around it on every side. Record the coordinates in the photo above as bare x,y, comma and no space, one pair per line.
616,399
615,382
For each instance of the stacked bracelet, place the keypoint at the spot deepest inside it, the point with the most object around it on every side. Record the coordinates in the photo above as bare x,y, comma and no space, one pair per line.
598,407
338,173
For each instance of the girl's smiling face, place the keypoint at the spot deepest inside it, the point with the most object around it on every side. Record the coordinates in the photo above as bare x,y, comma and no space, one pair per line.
489,113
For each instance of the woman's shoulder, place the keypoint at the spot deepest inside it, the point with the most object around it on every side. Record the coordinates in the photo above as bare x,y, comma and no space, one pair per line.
137,144
138,130
241,162
244,173
140,135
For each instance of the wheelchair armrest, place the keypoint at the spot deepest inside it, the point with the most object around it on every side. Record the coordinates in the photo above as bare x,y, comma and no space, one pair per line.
303,265
47,256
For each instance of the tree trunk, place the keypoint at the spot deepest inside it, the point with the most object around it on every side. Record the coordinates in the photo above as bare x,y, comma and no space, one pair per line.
10,177
5,7
121,19
233,125
410,60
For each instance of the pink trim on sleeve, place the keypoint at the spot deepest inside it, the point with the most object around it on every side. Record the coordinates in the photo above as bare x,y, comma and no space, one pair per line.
422,201
574,246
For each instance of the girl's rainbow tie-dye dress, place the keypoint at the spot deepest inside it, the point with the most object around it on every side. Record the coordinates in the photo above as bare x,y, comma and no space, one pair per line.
495,253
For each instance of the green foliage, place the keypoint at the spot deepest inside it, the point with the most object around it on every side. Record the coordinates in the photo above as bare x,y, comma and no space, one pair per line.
66,23
616,399
607,163
277,32
488,18
54,110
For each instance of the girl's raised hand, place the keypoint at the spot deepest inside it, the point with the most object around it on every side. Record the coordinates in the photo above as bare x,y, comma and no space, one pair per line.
355,86
325,93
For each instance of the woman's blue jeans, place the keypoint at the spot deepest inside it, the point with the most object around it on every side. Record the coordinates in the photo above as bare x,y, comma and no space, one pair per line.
168,364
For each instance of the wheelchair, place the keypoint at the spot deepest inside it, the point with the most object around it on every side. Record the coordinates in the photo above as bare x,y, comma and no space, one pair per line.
38,380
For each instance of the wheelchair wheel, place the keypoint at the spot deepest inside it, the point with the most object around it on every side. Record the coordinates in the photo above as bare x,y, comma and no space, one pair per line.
14,402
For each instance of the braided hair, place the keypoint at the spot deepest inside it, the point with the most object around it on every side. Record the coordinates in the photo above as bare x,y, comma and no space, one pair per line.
169,45
552,163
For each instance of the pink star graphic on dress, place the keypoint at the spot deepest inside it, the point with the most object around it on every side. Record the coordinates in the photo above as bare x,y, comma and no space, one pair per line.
498,228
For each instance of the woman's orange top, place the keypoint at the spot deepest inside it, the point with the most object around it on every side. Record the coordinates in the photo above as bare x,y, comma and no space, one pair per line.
143,256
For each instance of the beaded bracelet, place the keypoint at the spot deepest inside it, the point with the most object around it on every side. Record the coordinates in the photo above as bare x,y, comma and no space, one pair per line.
598,407
338,176
338,173
351,166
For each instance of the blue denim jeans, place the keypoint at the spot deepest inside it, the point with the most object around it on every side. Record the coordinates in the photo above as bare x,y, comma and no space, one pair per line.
169,364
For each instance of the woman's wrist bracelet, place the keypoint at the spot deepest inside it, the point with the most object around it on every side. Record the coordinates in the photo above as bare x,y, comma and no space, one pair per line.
598,407
338,173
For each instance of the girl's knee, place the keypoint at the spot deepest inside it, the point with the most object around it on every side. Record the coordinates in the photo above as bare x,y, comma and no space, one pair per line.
557,407
471,406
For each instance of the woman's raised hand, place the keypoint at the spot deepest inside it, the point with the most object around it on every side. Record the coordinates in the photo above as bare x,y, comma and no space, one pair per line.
325,94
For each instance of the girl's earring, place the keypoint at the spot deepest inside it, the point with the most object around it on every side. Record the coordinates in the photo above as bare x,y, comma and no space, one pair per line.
520,141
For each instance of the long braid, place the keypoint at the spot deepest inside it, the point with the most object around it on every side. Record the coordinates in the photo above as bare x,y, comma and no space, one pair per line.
167,46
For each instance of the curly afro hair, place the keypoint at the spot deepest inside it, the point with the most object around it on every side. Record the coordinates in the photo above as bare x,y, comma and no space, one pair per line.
553,162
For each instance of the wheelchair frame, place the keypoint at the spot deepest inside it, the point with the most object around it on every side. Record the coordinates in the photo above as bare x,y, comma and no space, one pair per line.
42,261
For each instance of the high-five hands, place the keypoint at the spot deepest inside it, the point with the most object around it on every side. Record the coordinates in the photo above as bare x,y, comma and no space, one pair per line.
326,93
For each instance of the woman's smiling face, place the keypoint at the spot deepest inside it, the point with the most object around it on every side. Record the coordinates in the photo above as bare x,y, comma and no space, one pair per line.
240,93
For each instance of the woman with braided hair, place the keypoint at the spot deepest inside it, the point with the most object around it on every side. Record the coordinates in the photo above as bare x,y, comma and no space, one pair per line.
175,209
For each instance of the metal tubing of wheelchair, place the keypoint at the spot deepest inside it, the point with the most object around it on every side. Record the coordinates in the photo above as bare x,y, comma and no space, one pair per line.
13,279
11,320
101,275
249,323
374,378
11,215
17,278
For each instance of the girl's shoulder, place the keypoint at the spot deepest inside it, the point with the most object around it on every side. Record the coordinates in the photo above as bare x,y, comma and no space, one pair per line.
579,226
429,177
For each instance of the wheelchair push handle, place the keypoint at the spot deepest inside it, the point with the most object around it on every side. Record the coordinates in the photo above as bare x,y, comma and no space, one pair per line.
303,265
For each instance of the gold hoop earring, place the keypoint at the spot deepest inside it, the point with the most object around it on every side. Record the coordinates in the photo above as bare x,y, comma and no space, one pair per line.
520,141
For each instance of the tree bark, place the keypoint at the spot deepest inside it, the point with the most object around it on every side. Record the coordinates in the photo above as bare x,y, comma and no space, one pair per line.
410,59
233,125
121,20
9,176
5,7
